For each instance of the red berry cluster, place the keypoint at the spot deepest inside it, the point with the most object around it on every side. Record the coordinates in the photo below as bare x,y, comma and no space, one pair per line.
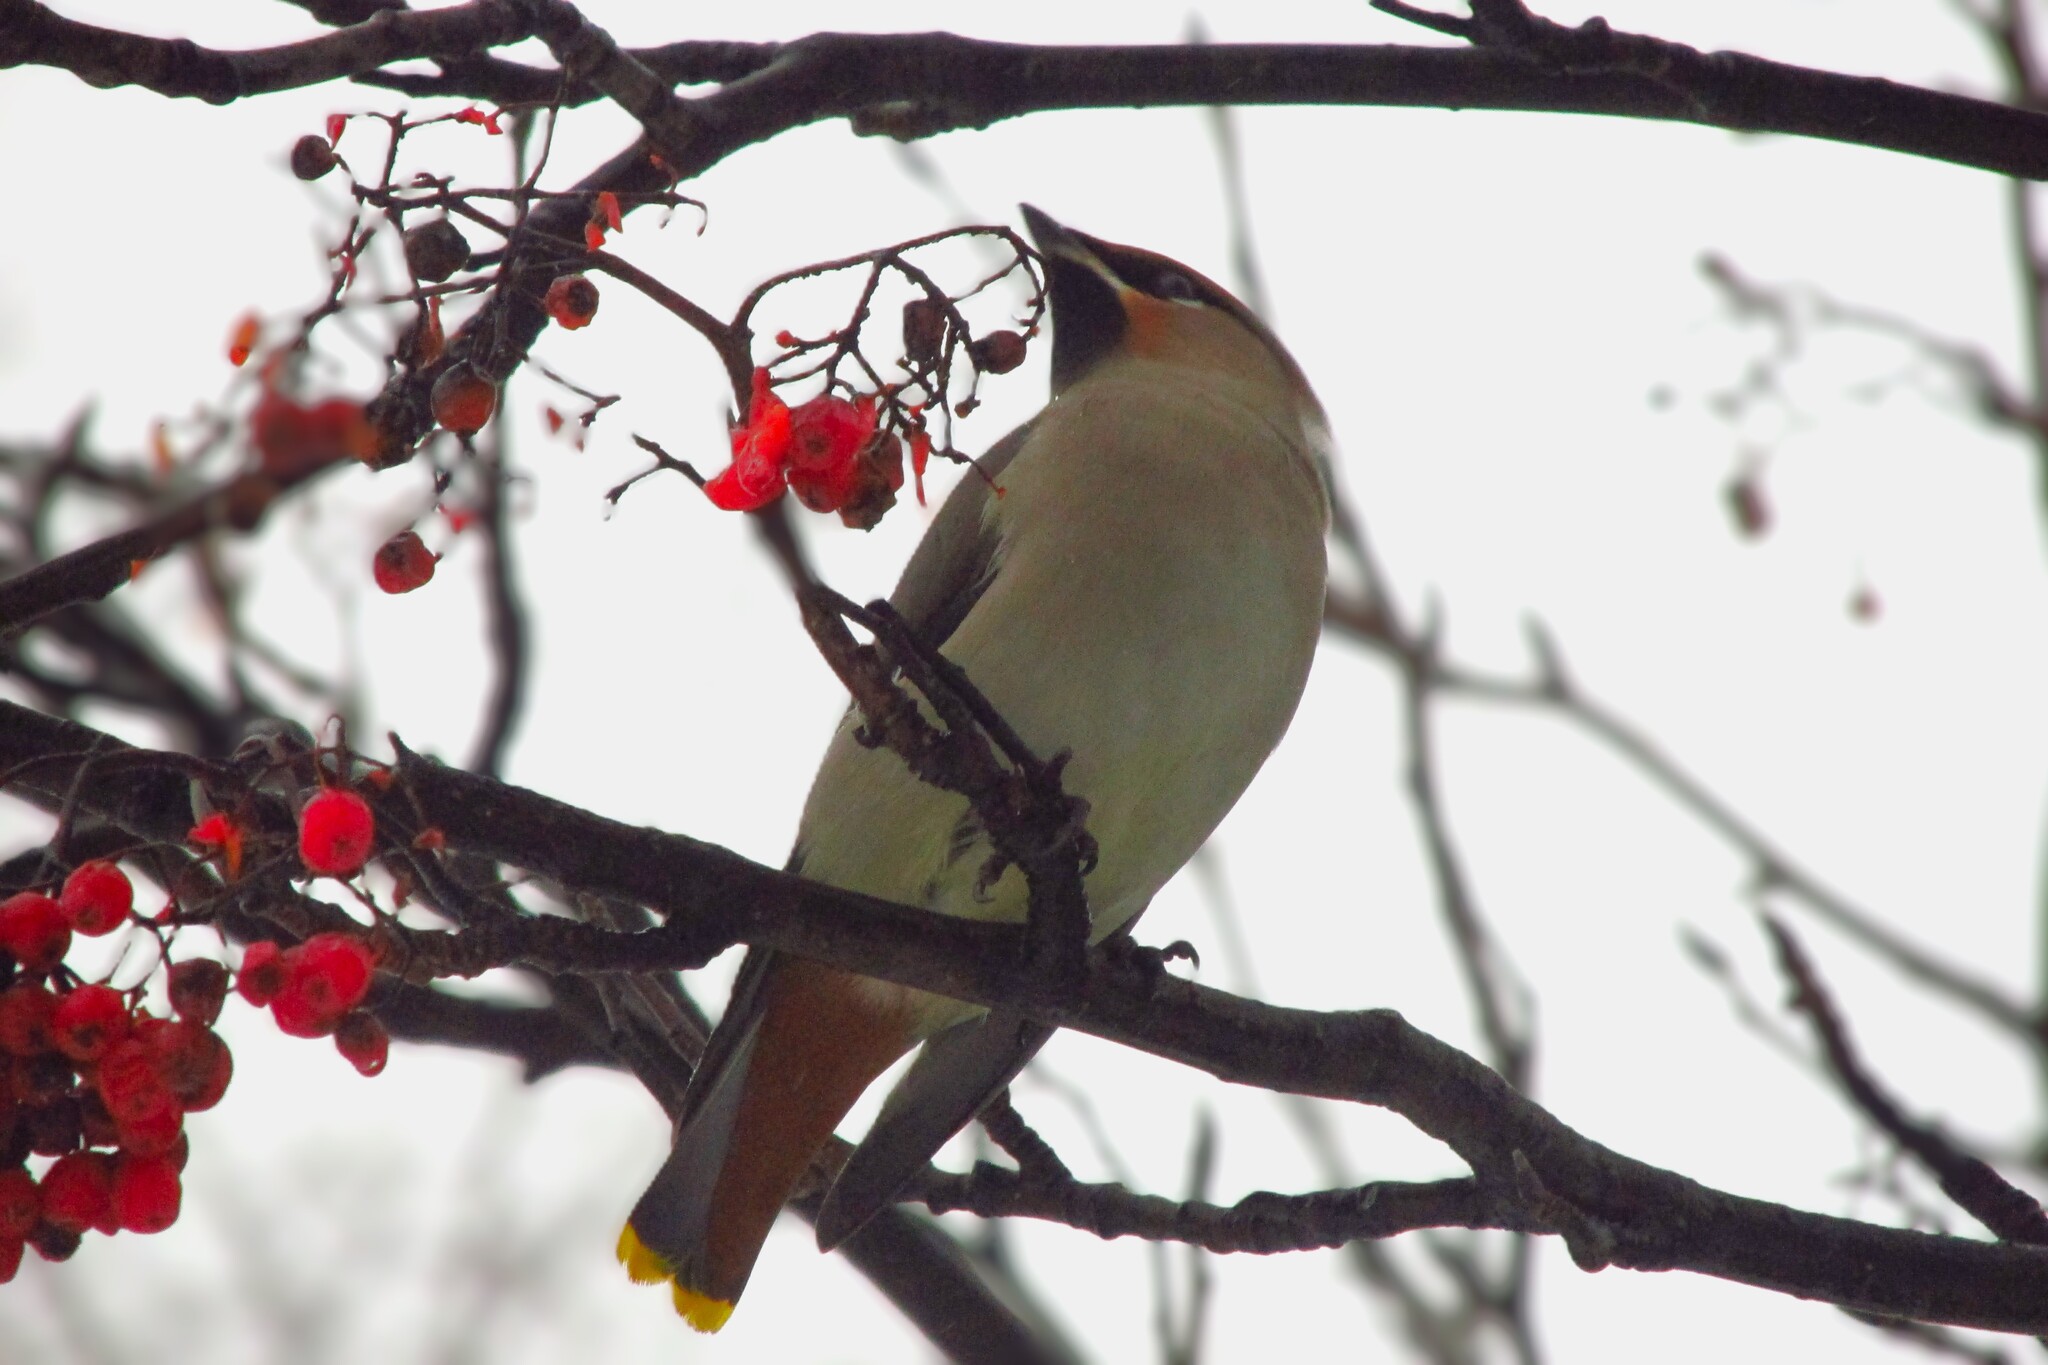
313,989
827,451
99,1085
91,1078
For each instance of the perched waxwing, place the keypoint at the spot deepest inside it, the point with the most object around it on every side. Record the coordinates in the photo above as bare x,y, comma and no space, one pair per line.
1146,593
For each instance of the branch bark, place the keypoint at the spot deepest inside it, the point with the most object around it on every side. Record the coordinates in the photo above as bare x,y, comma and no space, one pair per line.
1611,1210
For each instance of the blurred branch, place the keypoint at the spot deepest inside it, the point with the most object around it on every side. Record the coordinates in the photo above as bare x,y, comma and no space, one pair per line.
2010,1213
1552,689
505,611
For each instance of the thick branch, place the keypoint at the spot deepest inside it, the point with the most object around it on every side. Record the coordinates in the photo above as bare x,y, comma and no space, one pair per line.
922,83
1611,1209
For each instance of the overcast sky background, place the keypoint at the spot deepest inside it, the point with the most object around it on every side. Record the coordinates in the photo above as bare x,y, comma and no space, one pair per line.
1504,317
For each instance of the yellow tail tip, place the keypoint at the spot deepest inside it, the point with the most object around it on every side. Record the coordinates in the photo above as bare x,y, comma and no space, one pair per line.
643,1264
701,1311
646,1266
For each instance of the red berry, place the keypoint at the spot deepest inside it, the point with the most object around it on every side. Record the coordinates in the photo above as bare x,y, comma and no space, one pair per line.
96,898
197,989
21,1204
361,1038
263,973
27,1013
77,1190
10,1257
336,833
35,931
463,400
403,563
146,1193
155,1136
329,976
88,1021
571,301
132,1084
193,1062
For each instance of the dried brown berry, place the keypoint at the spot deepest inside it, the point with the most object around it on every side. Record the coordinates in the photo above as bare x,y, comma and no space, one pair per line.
436,250
924,331
312,157
998,352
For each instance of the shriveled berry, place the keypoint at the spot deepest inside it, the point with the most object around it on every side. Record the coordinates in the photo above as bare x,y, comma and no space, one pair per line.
77,1190
924,330
436,250
463,400
15,1142
96,1125
53,1243
54,1128
312,157
27,1014
262,975
361,1038
88,1021
998,352
21,1204
34,931
336,833
197,988
96,898
403,563
146,1193
571,301
11,1249
39,1080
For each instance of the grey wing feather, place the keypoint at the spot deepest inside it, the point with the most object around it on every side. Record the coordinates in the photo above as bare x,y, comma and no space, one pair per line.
953,1077
672,1217
956,559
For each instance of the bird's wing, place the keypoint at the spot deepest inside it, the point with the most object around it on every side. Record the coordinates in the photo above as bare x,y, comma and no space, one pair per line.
954,563
953,1077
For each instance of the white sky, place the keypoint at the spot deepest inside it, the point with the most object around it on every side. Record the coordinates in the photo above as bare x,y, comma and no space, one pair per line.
1486,303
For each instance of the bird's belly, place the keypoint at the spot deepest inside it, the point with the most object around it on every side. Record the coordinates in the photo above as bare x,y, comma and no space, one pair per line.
1166,654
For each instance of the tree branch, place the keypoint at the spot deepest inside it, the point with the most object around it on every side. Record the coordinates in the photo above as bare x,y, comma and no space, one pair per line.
1612,1210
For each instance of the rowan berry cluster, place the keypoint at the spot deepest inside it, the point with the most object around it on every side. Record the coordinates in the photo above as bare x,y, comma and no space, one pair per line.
95,1086
827,451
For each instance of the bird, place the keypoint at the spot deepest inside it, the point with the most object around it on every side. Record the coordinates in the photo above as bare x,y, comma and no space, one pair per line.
1135,579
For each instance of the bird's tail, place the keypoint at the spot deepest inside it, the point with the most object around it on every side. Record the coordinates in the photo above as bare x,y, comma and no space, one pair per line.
797,1047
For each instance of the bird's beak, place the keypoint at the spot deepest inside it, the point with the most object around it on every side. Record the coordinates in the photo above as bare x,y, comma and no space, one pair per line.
1063,243
1087,299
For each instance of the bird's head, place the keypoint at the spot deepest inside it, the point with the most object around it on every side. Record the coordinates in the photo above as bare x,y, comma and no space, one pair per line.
1111,301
